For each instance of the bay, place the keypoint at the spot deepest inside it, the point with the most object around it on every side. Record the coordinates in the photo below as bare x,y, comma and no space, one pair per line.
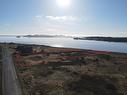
68,43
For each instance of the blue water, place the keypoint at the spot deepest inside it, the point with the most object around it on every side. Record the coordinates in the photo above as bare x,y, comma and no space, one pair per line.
70,42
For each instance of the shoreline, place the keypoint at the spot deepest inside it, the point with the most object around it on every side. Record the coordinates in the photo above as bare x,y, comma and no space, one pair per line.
94,50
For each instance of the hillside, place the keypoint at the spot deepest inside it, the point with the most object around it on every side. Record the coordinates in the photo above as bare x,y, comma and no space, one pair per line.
62,71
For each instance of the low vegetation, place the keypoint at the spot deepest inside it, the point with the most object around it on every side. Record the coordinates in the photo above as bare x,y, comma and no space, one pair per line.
58,71
93,85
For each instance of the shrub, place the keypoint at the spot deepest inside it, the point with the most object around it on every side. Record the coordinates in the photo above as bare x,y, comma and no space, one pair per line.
104,56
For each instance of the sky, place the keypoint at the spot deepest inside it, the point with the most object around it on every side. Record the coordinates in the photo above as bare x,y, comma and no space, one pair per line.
64,17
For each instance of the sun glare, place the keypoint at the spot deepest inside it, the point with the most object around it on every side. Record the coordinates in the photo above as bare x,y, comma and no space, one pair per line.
63,3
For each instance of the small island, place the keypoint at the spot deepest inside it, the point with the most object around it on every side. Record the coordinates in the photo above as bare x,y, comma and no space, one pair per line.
46,36
108,39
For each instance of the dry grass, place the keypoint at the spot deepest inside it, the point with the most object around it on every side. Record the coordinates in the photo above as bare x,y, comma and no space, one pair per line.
89,75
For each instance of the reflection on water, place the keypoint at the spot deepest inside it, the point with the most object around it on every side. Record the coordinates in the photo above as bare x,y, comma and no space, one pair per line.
69,42
57,45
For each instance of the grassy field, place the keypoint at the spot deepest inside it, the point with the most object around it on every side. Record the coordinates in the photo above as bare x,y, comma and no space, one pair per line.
58,71
0,72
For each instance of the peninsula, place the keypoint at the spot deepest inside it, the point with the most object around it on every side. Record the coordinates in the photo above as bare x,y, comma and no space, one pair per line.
108,39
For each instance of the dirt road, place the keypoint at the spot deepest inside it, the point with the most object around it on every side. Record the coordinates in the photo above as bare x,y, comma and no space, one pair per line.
10,81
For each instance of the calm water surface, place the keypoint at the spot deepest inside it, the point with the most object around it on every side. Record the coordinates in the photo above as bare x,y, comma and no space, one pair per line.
69,42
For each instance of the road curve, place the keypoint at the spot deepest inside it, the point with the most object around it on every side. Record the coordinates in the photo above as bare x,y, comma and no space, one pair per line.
10,80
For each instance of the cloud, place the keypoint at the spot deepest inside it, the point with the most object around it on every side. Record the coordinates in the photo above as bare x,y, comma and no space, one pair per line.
58,18
38,16
62,18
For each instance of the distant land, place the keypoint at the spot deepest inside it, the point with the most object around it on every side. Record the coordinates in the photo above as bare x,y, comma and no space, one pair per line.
47,36
108,39
95,38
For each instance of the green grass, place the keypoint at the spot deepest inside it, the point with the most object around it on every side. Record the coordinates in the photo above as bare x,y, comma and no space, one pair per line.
104,56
